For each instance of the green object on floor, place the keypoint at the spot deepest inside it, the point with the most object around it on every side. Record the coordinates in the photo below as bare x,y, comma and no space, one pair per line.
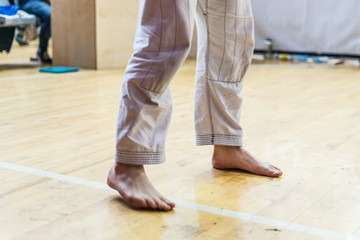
59,69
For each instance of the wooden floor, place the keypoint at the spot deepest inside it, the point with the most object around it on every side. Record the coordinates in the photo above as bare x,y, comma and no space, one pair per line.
57,146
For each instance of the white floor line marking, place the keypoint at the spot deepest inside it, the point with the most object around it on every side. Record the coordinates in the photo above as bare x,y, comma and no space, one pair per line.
56,176
195,206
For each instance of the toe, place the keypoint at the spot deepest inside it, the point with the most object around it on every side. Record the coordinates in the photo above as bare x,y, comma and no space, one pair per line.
167,207
137,202
151,204
275,172
163,205
168,202
272,166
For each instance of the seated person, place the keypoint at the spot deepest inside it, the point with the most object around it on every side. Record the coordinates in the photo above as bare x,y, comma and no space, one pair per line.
40,8
20,35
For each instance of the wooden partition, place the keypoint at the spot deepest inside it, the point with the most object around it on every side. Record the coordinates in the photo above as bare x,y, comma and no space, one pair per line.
94,34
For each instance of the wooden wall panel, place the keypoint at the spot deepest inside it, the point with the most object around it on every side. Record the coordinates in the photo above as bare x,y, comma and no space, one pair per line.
73,33
96,34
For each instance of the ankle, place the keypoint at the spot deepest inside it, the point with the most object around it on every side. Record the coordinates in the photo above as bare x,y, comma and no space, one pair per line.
44,56
122,167
223,149
120,170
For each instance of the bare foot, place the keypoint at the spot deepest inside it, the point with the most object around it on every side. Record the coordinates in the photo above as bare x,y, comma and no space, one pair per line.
231,157
134,186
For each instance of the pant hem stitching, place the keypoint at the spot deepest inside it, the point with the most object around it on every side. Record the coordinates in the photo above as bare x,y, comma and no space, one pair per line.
219,139
139,158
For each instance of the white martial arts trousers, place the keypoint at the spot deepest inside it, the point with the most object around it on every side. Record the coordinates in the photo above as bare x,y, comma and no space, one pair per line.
162,41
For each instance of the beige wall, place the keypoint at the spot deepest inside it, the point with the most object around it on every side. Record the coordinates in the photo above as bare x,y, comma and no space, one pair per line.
115,31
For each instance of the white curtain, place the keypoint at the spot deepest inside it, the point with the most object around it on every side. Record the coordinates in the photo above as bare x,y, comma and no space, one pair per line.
321,26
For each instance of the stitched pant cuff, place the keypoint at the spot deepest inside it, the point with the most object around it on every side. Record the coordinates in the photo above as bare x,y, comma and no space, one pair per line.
218,139
139,158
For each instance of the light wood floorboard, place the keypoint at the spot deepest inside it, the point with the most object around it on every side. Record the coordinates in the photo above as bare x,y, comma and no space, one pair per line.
302,118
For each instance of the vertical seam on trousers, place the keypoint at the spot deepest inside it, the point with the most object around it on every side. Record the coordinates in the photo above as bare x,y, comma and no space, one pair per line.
207,71
159,50
208,39
246,36
236,35
222,59
175,42
189,22
201,7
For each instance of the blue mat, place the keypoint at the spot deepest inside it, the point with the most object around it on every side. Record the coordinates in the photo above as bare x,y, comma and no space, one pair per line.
59,69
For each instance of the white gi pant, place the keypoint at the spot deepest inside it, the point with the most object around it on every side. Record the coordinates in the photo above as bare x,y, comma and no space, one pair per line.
162,41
